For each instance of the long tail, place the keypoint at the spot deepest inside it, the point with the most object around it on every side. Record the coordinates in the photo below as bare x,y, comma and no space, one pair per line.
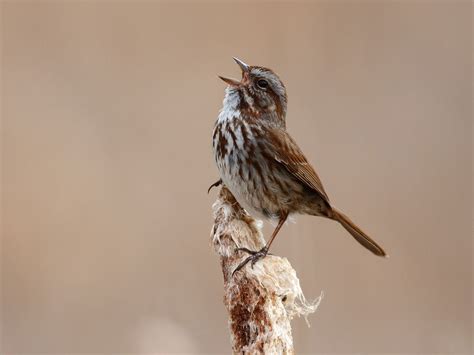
357,233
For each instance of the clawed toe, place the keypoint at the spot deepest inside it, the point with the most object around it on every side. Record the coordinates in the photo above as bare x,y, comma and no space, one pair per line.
251,252
254,257
217,183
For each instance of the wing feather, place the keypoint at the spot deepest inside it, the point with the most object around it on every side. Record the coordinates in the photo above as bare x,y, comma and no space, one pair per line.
292,158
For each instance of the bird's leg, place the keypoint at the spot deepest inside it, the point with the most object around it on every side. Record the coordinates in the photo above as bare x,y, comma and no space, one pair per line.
257,255
217,183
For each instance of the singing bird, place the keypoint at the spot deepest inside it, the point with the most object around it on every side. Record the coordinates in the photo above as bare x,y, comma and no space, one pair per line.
261,164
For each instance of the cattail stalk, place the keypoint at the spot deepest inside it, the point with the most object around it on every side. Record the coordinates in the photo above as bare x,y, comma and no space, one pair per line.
261,301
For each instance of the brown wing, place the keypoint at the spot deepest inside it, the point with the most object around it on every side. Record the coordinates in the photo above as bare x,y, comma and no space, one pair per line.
292,158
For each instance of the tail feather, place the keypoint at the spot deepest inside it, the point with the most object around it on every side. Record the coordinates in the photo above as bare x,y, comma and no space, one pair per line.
357,233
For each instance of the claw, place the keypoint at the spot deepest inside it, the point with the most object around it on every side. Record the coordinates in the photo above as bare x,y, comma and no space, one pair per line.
241,265
254,257
217,183
246,250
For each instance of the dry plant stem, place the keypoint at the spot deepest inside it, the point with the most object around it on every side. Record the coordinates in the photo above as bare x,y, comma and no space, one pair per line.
262,300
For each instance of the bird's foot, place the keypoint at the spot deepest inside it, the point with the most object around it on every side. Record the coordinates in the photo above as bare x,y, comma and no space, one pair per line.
217,183
254,257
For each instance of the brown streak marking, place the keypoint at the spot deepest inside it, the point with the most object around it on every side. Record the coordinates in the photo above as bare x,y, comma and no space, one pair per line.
222,146
244,132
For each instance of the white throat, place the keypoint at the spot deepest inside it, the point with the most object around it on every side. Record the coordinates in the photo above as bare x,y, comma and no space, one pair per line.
229,105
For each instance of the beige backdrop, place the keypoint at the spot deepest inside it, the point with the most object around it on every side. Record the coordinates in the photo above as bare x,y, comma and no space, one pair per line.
107,115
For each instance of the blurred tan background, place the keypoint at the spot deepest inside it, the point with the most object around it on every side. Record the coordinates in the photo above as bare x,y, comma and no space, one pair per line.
107,116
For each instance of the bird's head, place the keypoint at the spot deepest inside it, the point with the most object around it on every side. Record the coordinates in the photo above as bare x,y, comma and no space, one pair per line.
260,91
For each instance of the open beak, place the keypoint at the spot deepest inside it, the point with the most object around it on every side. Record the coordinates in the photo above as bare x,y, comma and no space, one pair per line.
231,82
245,69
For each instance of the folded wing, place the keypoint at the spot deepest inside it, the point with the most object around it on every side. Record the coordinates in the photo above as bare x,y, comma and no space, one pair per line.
292,158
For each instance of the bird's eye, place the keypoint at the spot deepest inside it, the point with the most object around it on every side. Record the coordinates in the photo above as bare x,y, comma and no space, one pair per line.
262,83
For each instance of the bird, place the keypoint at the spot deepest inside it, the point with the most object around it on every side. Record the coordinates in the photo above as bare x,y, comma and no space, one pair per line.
262,165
